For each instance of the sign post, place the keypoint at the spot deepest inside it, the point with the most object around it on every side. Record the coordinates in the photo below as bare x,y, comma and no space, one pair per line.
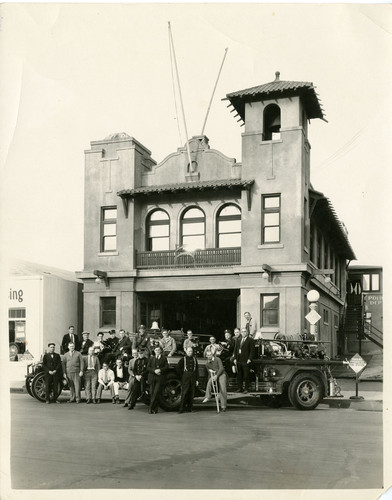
357,364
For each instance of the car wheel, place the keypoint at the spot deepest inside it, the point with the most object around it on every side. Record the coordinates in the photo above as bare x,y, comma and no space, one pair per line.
305,391
170,396
38,388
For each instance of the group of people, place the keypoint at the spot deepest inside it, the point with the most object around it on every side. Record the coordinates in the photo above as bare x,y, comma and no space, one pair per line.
147,366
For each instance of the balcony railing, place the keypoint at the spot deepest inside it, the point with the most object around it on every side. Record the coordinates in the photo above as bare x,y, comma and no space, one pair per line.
210,257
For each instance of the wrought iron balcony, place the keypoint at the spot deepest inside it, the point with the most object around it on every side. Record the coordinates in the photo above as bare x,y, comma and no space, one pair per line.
210,257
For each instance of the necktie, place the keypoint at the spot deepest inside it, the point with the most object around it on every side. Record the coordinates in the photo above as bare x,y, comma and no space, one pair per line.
105,377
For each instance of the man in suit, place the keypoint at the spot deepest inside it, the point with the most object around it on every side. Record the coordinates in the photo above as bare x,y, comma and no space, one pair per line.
243,355
124,346
51,364
86,344
137,374
91,369
188,370
156,368
120,379
73,366
228,350
70,337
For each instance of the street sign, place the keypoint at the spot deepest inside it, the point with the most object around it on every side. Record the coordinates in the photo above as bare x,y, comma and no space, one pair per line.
313,317
357,363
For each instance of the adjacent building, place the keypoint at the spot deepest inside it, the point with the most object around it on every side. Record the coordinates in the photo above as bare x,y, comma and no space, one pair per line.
42,302
198,239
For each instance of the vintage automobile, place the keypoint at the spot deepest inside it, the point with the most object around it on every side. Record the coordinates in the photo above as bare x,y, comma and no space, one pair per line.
294,371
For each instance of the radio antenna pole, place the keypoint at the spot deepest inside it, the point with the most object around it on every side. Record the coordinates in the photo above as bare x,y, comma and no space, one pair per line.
179,92
213,92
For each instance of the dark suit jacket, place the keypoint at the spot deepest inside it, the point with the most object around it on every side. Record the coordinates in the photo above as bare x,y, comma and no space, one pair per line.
142,367
84,349
124,346
247,350
67,340
49,364
153,364
125,376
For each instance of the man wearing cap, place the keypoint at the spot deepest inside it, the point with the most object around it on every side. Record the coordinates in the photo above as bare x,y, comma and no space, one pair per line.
91,370
137,372
141,339
188,370
73,366
157,367
168,344
86,344
51,363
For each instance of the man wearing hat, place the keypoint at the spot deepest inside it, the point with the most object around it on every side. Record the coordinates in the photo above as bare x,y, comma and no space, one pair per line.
141,339
137,374
51,363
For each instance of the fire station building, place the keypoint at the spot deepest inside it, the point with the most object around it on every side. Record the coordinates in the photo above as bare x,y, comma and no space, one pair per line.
198,239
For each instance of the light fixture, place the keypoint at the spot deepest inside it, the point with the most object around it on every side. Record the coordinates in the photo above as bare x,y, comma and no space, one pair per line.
318,272
266,272
101,276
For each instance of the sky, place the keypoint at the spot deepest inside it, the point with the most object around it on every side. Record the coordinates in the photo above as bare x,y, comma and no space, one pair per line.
71,74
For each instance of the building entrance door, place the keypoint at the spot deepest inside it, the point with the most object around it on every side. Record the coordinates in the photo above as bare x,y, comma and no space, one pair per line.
204,312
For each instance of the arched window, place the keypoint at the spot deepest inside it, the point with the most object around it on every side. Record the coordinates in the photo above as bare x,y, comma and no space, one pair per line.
193,229
271,126
157,230
229,227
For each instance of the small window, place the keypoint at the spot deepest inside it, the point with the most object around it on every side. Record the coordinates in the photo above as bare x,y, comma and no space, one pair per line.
229,227
336,321
17,313
269,310
108,229
193,229
158,230
108,312
326,317
371,282
271,219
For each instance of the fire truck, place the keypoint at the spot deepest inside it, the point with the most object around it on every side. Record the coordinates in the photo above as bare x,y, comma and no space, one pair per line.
284,370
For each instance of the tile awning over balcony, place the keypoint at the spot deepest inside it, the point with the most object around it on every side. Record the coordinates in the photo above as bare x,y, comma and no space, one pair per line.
183,187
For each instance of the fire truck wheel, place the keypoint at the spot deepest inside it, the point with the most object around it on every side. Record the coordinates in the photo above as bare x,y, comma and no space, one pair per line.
305,391
38,388
28,386
170,396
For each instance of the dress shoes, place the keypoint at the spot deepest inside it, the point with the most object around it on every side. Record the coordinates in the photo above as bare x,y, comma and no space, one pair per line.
131,407
57,402
245,391
181,411
118,401
205,400
150,412
114,401
94,401
223,409
98,401
47,402
88,401
125,405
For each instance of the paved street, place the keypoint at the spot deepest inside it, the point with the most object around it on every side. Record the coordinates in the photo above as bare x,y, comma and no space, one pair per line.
108,446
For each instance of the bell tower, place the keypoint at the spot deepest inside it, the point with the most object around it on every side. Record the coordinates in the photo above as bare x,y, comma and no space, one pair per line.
276,154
